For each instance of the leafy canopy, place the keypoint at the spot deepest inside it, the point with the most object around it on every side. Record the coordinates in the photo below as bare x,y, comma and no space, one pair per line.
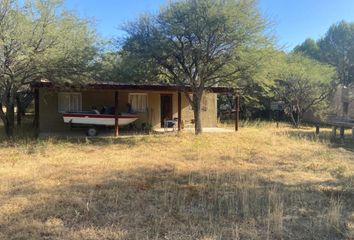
196,42
40,40
335,48
309,48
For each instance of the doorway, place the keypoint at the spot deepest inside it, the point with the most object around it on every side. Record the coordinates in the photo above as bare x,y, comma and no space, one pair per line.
166,107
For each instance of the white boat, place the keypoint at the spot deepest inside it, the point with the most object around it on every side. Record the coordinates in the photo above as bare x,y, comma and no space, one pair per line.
89,118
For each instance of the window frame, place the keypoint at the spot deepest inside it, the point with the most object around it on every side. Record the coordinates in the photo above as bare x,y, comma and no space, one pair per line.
139,94
60,94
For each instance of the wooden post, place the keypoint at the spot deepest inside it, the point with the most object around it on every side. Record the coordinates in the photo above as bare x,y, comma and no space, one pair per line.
342,132
353,133
179,111
36,111
116,115
317,129
237,112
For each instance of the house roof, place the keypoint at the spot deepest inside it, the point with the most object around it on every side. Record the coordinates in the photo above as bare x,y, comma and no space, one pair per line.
126,86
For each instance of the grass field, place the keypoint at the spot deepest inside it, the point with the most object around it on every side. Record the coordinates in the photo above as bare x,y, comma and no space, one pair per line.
260,183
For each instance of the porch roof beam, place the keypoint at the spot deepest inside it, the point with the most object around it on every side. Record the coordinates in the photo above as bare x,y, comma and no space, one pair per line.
128,86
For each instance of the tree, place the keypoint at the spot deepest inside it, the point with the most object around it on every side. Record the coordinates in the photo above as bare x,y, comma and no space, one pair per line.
107,66
335,48
309,48
197,44
255,81
303,84
40,40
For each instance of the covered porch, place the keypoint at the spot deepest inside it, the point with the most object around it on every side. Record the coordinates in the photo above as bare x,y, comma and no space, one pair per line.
153,103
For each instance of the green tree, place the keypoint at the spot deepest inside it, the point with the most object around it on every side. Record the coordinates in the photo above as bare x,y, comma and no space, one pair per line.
40,40
309,48
303,84
335,48
107,66
258,67
197,43
257,79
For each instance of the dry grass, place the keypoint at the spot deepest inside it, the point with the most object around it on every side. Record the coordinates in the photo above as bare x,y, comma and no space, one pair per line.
261,183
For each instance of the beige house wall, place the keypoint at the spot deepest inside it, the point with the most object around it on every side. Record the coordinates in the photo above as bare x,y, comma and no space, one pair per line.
208,111
51,120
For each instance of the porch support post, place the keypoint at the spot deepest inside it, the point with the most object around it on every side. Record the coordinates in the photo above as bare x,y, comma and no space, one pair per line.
116,127
179,110
36,111
237,112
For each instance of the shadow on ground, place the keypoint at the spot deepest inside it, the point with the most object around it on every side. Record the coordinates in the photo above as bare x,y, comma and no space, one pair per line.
164,204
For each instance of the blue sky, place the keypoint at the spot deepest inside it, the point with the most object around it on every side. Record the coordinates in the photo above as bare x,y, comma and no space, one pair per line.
294,20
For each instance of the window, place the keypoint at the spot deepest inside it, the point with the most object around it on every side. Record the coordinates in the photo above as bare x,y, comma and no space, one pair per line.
69,102
138,102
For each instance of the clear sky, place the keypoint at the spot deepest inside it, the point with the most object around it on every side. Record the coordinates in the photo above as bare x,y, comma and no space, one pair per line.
294,20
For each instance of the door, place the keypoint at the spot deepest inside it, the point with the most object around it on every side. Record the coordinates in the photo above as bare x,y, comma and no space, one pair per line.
166,107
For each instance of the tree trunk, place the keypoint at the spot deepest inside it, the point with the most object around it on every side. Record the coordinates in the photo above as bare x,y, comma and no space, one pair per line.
19,111
9,120
298,118
299,113
294,115
196,109
293,119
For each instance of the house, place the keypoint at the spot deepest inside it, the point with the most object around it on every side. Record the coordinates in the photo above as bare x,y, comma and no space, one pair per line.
152,103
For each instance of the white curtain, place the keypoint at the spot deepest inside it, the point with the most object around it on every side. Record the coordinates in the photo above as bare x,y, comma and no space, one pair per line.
138,102
69,102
